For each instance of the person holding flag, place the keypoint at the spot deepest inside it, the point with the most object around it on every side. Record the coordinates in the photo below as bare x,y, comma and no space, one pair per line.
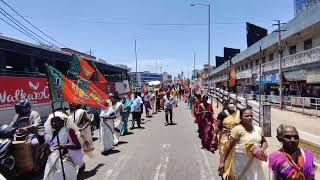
64,135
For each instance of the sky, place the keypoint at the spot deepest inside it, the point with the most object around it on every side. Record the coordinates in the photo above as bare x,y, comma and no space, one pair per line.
166,31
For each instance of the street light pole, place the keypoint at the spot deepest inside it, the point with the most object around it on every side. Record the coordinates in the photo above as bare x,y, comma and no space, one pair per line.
135,53
209,25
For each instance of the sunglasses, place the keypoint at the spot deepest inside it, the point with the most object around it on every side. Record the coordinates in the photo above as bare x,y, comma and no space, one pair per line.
289,137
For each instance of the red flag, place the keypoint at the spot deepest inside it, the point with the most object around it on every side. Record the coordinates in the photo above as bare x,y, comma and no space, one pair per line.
232,76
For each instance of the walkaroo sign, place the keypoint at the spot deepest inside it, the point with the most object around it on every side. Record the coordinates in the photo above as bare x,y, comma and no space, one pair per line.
14,88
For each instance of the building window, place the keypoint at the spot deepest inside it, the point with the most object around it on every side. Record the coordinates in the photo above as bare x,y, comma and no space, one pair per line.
238,68
271,57
281,53
263,60
257,62
293,49
251,64
246,66
307,44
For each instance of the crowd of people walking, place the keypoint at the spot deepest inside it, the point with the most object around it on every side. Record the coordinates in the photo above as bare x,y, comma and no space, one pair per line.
243,147
69,132
240,142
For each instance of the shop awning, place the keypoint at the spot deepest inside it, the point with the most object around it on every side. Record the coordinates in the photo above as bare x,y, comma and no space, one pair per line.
296,75
313,76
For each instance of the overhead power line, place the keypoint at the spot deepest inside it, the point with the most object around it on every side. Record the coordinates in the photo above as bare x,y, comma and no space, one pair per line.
32,24
24,28
19,30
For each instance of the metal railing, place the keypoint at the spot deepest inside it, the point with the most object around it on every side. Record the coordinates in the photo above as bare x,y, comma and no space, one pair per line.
307,105
261,114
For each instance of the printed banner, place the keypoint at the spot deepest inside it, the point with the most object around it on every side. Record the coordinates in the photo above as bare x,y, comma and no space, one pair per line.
13,89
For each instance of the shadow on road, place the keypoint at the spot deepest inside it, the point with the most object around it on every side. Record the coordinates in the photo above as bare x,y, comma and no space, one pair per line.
129,133
94,139
93,172
122,142
107,153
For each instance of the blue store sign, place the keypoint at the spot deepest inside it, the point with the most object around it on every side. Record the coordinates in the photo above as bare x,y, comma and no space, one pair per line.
268,79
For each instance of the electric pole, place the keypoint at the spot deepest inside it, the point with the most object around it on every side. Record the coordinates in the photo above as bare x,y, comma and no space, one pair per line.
135,53
194,65
280,52
156,66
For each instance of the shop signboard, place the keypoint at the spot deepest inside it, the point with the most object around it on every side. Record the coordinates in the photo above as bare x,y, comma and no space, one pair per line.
16,88
244,74
269,79
300,101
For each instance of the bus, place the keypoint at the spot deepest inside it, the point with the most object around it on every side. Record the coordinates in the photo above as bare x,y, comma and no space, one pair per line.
22,75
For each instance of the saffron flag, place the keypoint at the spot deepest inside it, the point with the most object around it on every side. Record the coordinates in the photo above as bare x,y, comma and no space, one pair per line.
100,78
82,92
87,70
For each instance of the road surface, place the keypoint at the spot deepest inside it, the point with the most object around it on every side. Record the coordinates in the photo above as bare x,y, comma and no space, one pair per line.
157,152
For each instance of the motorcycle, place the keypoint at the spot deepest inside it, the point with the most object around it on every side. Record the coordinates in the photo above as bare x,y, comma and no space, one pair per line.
7,161
10,160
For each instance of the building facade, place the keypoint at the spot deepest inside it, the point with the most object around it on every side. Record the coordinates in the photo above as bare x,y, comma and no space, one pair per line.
300,52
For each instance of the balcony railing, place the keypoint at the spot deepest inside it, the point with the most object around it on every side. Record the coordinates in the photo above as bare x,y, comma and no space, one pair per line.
304,57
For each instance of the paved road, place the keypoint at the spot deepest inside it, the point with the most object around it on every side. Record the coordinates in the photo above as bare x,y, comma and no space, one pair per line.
157,152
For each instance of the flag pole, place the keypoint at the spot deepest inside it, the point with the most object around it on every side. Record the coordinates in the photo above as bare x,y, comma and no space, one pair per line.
52,107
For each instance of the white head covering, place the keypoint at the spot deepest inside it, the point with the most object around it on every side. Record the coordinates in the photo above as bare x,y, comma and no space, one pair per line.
67,123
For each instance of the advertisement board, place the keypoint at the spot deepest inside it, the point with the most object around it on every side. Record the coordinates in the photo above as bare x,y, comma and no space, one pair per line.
13,89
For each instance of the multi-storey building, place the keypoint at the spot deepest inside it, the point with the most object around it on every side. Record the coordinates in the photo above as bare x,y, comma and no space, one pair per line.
300,44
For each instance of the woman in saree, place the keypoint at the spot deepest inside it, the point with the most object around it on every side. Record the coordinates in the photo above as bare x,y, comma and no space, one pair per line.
109,124
228,118
207,123
147,103
291,162
62,134
247,147
190,99
125,115
153,102
81,119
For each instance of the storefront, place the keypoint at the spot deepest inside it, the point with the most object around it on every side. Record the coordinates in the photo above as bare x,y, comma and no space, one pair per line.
244,82
303,82
269,83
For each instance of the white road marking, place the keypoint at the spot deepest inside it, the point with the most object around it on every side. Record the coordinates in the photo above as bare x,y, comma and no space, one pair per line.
207,165
203,175
113,173
161,170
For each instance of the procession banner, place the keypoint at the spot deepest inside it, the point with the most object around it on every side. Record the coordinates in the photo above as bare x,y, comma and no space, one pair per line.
84,92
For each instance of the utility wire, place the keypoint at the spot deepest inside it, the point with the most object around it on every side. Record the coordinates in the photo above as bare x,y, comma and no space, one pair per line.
25,28
19,30
32,24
